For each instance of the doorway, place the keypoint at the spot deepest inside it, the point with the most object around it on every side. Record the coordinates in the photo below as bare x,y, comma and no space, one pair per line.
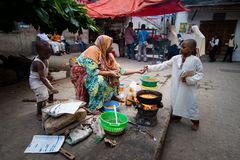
223,29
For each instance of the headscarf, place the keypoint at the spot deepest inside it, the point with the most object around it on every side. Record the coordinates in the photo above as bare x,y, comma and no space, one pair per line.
98,53
200,39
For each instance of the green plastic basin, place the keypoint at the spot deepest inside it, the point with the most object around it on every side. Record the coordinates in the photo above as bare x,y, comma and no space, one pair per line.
108,122
149,83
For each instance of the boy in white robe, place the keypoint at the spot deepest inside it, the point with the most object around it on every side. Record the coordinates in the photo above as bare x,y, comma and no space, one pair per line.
187,69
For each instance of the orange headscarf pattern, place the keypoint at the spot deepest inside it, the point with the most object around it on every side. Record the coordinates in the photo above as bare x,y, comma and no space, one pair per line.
98,53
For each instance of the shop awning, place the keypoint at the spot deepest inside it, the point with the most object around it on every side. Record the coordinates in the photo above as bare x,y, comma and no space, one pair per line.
122,8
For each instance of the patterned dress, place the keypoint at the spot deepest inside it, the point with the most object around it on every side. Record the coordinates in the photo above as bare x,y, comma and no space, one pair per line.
97,86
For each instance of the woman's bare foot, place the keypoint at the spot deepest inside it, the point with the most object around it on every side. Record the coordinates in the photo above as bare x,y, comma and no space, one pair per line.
117,99
96,112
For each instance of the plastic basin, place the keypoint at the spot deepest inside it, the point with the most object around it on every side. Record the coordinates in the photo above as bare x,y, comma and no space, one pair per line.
149,81
108,122
109,106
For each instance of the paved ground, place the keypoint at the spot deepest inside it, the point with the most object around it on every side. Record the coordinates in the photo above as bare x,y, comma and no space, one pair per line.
18,123
219,135
217,139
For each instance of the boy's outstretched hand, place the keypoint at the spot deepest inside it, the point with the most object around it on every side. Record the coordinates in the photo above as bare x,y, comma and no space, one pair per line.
141,71
145,68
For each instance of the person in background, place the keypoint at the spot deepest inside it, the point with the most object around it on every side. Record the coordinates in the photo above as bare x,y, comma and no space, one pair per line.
172,50
66,44
78,40
214,48
130,36
55,46
180,40
142,43
96,74
57,38
38,80
187,70
232,46
200,39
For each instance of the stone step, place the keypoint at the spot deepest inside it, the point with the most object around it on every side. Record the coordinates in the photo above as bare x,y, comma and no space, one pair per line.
218,57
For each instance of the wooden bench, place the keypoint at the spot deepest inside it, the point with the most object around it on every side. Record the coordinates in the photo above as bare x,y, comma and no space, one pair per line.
74,48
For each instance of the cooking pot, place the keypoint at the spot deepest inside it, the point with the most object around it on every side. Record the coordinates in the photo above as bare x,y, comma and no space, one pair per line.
156,100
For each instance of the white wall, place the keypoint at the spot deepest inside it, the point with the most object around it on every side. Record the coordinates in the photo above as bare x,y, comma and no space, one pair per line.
70,37
207,15
17,43
20,43
181,17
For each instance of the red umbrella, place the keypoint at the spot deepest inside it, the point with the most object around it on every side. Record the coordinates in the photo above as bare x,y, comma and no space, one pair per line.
120,8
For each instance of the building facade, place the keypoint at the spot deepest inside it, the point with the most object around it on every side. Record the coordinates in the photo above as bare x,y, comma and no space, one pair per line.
221,18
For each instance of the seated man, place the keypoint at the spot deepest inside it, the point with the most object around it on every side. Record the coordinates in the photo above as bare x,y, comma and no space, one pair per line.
57,38
55,46
67,45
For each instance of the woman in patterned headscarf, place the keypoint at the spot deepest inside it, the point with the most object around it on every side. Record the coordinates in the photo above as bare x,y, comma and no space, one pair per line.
96,74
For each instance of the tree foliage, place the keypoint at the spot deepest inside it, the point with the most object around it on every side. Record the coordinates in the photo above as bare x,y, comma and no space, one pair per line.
48,15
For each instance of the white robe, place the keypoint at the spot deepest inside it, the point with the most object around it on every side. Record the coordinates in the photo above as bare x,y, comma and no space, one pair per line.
200,39
183,95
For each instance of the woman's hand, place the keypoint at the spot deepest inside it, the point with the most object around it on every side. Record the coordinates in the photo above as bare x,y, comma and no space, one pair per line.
114,74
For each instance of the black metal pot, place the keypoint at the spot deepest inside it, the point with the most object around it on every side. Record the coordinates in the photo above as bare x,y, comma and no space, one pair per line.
154,101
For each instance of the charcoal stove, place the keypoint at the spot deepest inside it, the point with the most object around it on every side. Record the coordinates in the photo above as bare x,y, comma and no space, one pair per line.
148,108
